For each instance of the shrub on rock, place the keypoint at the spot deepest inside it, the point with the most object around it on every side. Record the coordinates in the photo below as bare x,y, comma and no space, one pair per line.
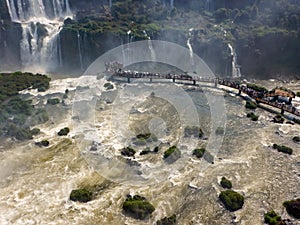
252,116
108,86
232,200
64,131
199,152
296,139
282,148
145,151
272,218
128,151
167,221
278,119
81,195
293,207
172,154
193,131
225,183
43,143
138,207
250,105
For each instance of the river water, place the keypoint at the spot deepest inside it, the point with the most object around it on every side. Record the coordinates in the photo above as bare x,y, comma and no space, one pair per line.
36,182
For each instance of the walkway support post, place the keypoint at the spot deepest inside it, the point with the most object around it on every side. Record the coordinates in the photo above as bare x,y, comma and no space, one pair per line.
282,110
194,82
150,79
173,79
216,82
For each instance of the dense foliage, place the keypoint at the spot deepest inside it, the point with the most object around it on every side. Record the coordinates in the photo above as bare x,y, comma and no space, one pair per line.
232,200
272,218
225,183
137,207
167,221
81,195
15,112
282,148
250,105
252,116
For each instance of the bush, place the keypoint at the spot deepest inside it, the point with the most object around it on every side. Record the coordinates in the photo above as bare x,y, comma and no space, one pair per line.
81,195
250,105
108,86
172,154
272,218
225,183
53,101
42,143
167,221
252,116
232,200
137,207
64,131
199,152
298,94
35,131
193,131
296,139
282,148
257,88
128,151
293,208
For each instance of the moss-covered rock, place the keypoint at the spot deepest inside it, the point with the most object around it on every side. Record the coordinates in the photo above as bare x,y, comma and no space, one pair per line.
199,152
296,139
282,148
108,86
172,154
81,195
138,207
128,151
252,116
250,105
53,101
193,131
293,207
232,200
145,151
43,143
64,131
225,183
167,220
272,218
278,119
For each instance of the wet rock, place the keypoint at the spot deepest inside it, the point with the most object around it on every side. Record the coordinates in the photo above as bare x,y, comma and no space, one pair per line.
172,154
128,151
293,208
282,148
43,143
64,131
272,218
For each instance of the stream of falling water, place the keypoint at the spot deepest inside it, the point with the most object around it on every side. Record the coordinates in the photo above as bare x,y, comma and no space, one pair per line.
40,44
188,43
236,72
36,183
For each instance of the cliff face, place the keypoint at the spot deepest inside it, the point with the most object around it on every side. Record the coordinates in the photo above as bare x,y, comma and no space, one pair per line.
260,55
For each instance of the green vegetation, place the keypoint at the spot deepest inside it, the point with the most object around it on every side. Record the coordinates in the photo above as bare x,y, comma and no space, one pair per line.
293,207
282,148
64,131
53,101
170,151
225,183
43,143
250,105
199,152
17,114
128,151
232,200
193,131
81,195
143,139
296,139
252,116
219,131
108,86
278,119
272,218
145,151
35,131
138,207
298,94
257,88
167,220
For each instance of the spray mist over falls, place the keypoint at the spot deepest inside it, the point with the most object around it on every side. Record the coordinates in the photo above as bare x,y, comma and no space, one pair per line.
41,24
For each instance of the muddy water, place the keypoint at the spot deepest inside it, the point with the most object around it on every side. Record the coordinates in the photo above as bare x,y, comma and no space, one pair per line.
36,182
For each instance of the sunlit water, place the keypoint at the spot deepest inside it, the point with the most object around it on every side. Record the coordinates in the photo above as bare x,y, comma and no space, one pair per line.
36,182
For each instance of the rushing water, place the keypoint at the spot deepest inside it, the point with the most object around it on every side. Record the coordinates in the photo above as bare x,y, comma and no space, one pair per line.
36,183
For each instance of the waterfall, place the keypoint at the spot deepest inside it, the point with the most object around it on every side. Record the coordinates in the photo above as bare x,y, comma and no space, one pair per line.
79,50
150,46
190,46
110,4
236,72
128,50
40,48
172,4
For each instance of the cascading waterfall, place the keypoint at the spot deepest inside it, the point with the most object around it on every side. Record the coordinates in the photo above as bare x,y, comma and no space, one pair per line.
172,4
110,4
128,50
40,49
150,46
236,72
190,46
79,50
